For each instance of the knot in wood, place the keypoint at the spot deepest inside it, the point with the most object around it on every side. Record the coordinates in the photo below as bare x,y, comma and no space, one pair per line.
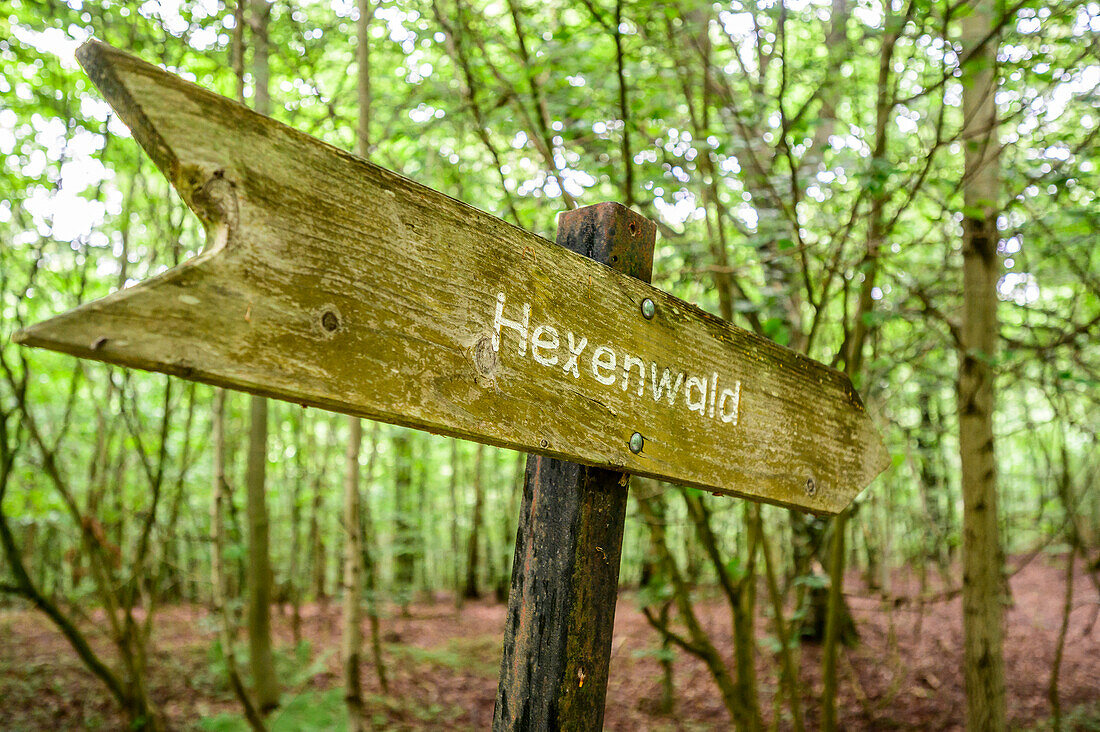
485,358
212,194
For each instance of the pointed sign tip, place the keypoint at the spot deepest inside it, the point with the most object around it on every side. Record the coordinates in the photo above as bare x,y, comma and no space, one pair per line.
878,459
882,457
88,48
113,72
51,334
92,55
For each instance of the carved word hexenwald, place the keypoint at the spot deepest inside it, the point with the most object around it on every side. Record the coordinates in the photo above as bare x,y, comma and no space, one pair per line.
606,366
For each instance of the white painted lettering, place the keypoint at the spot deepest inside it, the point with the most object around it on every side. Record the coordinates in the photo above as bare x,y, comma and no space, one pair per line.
500,321
603,358
701,385
575,349
628,363
702,394
545,338
665,384
733,395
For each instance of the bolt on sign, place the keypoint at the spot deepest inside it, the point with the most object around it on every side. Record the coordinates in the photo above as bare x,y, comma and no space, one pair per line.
331,282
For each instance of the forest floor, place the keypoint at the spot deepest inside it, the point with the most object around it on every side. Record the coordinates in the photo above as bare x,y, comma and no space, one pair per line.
906,672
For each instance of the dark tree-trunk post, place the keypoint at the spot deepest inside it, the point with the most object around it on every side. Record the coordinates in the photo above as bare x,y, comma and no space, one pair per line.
471,591
561,607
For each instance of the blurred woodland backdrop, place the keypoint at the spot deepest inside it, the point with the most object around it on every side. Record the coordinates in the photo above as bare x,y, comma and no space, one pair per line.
905,190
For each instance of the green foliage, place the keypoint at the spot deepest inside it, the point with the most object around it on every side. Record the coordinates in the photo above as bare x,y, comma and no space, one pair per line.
296,667
657,653
812,581
477,653
1081,718
311,711
314,711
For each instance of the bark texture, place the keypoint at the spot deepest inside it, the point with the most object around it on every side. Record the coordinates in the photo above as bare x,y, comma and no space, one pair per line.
983,583
353,578
261,655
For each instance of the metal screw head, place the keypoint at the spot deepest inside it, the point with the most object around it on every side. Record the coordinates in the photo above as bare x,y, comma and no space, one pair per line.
636,442
649,309
811,487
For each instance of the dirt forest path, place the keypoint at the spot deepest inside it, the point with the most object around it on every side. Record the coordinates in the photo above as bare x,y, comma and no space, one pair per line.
905,673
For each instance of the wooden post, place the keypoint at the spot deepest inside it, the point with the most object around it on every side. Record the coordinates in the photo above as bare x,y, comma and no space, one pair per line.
561,608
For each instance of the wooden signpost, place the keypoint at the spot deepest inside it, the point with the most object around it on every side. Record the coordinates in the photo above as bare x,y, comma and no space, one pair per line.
331,282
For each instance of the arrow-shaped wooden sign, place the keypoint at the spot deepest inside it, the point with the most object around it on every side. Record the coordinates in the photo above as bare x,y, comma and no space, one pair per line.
331,282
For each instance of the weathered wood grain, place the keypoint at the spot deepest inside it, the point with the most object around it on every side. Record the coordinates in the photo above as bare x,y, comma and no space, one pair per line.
334,283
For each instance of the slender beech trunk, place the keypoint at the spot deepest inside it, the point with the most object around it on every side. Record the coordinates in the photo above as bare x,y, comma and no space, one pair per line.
1060,644
315,537
353,539
983,582
422,529
353,578
370,568
261,654
404,559
362,57
788,662
217,565
470,591
456,542
696,641
119,686
742,602
365,549
651,583
295,531
314,534
624,108
932,486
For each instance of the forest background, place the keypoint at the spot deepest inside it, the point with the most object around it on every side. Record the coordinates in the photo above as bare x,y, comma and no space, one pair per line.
905,191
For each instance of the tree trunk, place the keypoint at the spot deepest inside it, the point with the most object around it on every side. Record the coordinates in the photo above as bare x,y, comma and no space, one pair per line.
470,591
353,578
364,522
422,529
404,558
788,663
508,523
295,530
932,486
697,642
742,601
315,537
261,655
217,564
983,583
370,573
456,542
